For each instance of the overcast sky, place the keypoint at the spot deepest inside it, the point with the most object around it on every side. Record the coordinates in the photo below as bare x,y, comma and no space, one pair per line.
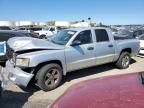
105,11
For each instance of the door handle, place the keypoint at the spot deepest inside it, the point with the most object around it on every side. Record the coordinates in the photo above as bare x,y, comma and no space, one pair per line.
110,45
90,48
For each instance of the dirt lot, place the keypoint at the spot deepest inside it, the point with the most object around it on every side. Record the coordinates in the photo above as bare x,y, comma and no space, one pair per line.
15,97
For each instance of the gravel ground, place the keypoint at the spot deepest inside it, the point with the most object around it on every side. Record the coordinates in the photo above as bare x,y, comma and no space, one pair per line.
33,97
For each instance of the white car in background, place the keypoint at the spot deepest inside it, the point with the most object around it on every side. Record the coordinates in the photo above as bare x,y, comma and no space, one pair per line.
42,31
141,51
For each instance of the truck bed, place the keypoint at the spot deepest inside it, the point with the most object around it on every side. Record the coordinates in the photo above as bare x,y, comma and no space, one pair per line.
122,38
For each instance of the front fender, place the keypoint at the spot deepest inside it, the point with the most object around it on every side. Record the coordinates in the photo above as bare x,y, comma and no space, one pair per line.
39,57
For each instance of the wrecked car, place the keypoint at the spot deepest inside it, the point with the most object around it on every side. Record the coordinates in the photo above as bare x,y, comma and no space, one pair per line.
46,61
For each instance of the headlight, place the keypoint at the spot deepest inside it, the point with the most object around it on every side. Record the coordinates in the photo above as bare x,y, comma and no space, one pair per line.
22,62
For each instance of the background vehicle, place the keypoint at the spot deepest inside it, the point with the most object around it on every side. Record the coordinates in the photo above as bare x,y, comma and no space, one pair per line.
141,51
124,33
121,91
69,50
114,31
30,34
138,33
5,28
7,34
42,31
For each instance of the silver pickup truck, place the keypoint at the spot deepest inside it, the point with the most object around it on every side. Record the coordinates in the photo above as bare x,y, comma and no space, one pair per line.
46,61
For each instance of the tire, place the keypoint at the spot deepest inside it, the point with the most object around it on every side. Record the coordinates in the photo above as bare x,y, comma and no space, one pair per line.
123,61
49,77
42,36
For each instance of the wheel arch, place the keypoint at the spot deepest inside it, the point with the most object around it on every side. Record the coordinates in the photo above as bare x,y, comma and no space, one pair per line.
129,50
37,68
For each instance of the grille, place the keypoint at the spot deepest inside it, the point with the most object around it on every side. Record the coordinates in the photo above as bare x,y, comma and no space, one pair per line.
9,53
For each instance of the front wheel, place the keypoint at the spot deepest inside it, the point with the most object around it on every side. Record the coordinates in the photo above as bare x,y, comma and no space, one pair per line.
123,61
49,77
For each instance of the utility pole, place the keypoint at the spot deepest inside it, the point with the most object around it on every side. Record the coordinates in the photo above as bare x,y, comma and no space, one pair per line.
89,20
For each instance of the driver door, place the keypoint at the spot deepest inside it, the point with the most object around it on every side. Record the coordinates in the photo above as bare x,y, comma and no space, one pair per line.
82,55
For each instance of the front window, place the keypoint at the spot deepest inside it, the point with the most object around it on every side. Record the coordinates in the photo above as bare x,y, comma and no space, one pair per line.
63,37
85,37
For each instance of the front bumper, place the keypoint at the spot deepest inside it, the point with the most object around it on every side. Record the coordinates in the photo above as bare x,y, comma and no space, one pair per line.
18,76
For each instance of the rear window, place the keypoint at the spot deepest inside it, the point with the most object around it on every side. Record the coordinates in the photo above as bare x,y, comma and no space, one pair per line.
35,29
101,35
22,28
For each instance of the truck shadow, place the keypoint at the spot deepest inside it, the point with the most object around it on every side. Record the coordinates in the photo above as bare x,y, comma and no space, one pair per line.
31,88
11,99
90,71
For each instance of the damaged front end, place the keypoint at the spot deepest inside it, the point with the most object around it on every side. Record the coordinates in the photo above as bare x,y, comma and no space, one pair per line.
19,75
22,54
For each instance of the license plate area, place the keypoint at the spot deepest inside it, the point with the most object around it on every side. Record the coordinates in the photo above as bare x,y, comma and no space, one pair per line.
2,48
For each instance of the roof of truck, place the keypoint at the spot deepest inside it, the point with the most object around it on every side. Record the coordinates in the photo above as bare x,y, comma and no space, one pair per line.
86,28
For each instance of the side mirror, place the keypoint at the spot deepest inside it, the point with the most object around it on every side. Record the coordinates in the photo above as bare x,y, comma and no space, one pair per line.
76,42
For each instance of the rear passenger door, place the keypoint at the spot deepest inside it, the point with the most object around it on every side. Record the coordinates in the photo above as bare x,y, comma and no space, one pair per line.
104,47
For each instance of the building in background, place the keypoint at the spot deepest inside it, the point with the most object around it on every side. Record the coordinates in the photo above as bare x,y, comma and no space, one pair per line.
24,23
80,24
7,23
65,24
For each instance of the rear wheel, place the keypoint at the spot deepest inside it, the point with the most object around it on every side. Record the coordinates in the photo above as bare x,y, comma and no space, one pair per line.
49,77
123,61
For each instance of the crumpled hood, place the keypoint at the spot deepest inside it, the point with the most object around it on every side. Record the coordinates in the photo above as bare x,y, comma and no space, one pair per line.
28,43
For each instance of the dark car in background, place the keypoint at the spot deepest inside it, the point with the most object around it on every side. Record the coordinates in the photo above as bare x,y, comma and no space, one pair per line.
30,34
5,28
124,33
4,36
122,91
138,33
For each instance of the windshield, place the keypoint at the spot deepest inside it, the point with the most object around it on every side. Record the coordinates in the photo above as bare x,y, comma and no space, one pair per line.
63,37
